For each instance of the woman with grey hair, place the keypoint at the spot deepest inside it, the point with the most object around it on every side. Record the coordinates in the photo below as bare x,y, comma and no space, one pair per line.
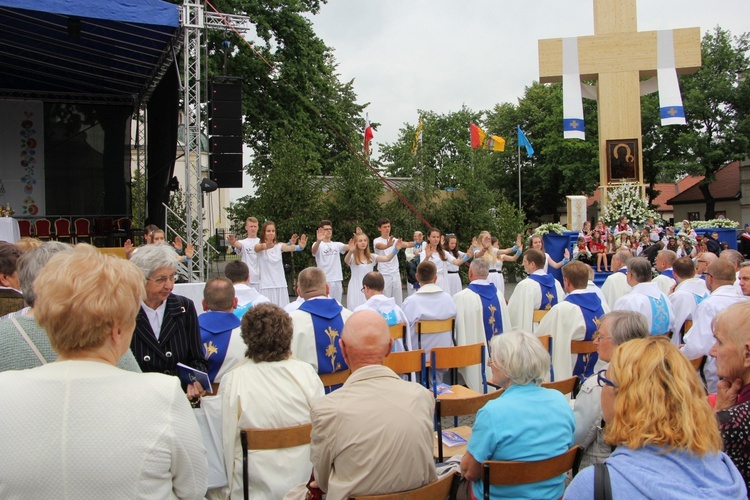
23,343
166,330
527,423
616,328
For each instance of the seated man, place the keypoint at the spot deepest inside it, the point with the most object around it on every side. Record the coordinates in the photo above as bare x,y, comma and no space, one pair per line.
481,313
374,435
373,285
11,298
664,262
737,260
220,328
247,296
699,339
318,323
688,293
429,302
538,291
731,349
616,284
574,318
646,298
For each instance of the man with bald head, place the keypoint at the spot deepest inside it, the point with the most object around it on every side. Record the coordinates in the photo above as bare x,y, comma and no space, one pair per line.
702,263
699,339
664,261
222,341
318,323
373,435
616,285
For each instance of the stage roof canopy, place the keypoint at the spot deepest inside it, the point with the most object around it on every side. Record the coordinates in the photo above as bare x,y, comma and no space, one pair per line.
94,51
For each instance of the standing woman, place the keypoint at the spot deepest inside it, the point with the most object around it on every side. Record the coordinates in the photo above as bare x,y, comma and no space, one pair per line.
435,253
361,262
454,284
272,278
488,249
538,243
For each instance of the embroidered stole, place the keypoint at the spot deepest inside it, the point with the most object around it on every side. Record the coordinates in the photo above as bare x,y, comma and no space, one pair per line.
491,318
549,292
216,330
327,325
669,273
591,307
240,311
659,315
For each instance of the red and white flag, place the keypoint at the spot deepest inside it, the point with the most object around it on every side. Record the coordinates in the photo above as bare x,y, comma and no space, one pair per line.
368,134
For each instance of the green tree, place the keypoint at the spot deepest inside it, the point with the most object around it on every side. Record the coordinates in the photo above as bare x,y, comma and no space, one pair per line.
716,107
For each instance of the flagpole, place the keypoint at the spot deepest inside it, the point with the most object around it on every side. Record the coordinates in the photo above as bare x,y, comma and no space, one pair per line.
519,175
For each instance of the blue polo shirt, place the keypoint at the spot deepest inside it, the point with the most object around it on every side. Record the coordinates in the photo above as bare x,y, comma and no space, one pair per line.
526,423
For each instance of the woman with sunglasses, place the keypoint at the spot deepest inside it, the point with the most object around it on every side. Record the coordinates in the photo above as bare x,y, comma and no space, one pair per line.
658,416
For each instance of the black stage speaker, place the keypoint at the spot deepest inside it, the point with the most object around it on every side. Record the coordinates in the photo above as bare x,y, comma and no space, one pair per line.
225,131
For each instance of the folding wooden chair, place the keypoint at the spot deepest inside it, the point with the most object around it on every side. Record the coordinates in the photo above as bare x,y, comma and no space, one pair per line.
408,362
439,490
507,473
457,408
333,379
270,439
432,326
566,386
455,357
539,314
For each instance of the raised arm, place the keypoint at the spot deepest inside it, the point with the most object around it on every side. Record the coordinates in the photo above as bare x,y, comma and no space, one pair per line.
350,254
292,246
387,244
319,235
391,255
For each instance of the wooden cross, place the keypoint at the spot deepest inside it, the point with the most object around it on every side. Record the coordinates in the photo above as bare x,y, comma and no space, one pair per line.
618,55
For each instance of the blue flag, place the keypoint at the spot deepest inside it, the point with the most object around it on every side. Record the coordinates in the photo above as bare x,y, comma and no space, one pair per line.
523,141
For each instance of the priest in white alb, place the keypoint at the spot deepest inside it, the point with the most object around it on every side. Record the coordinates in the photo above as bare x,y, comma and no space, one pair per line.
663,263
646,298
481,313
373,285
538,291
616,285
689,292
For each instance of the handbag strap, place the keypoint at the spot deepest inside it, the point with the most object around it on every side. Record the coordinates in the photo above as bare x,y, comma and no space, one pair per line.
602,486
28,340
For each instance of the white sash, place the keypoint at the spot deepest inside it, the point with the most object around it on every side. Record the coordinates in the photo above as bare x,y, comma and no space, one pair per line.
573,124
670,101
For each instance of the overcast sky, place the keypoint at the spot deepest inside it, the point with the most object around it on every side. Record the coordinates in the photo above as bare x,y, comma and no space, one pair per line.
437,55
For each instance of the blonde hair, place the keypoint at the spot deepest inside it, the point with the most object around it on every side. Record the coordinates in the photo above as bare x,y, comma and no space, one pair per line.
489,255
366,252
26,243
660,400
81,295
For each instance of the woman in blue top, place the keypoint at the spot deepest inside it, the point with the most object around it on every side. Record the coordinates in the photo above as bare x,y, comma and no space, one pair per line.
657,414
527,423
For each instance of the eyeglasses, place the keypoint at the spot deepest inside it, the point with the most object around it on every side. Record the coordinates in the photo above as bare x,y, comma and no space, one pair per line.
598,336
708,274
163,279
602,380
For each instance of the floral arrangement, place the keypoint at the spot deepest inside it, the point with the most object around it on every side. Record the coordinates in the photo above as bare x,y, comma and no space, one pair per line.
708,224
549,228
626,200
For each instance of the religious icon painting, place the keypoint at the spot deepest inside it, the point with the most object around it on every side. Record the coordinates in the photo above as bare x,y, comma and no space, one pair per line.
622,160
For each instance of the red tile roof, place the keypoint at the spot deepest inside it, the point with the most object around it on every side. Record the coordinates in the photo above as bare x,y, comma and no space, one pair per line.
726,186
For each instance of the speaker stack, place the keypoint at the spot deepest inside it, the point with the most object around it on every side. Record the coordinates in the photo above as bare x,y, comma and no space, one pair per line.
225,131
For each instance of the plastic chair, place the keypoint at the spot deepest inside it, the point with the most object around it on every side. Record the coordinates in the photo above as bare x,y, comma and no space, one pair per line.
457,408
82,228
566,386
432,326
507,473
407,362
439,490
270,439
62,229
42,229
24,227
455,357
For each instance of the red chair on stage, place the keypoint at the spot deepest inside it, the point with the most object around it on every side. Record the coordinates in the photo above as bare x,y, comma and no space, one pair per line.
42,229
24,226
62,229
82,229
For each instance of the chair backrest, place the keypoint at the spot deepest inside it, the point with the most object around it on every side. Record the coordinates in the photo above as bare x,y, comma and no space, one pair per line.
439,490
270,439
407,362
546,341
508,473
335,378
42,228
566,386
82,227
24,227
539,314
62,228
123,224
432,326
442,358
464,406
582,347
398,331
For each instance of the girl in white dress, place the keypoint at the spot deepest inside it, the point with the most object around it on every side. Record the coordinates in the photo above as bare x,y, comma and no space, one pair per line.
361,262
488,249
272,278
433,251
538,244
454,284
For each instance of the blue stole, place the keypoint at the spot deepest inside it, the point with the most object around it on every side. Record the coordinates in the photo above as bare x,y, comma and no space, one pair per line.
623,271
389,317
216,330
240,311
659,315
703,277
549,292
591,306
491,318
669,273
699,298
327,325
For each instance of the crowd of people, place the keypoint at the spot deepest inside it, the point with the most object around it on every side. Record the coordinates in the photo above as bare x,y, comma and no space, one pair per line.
94,356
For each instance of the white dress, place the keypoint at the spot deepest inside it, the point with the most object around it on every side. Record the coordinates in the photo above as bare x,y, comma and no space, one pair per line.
441,265
84,429
354,295
267,395
453,283
272,279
